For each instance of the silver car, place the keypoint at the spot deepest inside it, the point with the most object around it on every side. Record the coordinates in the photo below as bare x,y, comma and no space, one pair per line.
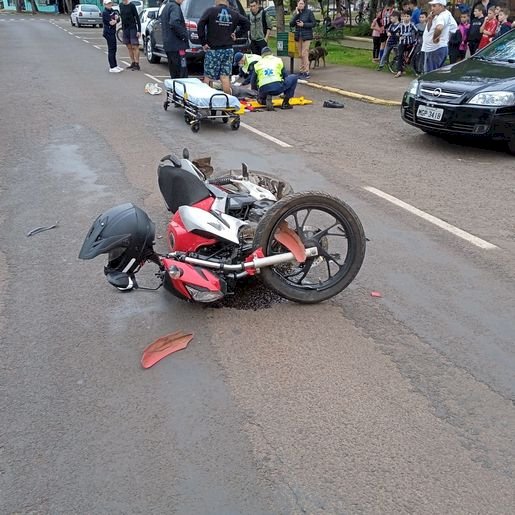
86,14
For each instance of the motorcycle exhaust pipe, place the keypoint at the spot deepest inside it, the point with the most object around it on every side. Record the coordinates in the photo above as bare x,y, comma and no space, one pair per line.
254,264
278,259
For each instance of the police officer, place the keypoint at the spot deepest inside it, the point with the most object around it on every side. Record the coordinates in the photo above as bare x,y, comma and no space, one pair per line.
270,78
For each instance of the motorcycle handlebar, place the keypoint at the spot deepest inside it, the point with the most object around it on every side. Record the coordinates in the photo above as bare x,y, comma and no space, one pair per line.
221,181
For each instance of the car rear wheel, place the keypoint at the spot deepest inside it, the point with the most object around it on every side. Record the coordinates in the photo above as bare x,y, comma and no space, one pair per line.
78,24
149,51
511,145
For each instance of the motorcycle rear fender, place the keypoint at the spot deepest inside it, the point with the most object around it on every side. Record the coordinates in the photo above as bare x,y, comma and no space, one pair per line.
195,276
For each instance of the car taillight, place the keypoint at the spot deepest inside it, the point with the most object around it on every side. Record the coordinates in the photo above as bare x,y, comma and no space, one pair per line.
191,25
80,14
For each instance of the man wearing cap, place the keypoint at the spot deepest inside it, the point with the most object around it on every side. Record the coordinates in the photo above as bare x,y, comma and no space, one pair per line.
245,63
216,30
109,21
270,78
435,40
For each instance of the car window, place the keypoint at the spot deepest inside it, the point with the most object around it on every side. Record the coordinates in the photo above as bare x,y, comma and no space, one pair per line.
502,49
89,8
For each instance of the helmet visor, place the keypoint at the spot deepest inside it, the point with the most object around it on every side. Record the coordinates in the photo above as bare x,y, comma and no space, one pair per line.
116,253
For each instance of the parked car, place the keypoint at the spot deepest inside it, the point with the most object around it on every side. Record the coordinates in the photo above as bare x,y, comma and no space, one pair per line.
193,10
474,98
145,16
86,14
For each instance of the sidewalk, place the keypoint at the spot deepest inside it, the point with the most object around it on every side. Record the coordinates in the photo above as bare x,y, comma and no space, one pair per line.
378,87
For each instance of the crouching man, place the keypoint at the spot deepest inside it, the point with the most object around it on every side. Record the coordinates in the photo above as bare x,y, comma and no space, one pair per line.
269,78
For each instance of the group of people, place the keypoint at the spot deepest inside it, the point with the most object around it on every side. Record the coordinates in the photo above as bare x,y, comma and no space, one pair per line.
216,31
438,33
131,28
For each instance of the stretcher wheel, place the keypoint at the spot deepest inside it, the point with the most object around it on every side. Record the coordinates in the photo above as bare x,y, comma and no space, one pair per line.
195,127
225,119
187,118
235,124
165,106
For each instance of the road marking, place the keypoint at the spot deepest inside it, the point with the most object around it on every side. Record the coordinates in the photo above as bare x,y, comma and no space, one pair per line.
436,221
85,41
153,78
266,136
126,63
78,37
97,47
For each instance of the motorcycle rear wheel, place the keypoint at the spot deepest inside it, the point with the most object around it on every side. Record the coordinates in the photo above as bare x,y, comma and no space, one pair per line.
336,225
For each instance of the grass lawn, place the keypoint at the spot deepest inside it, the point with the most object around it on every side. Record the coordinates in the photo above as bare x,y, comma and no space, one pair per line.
339,54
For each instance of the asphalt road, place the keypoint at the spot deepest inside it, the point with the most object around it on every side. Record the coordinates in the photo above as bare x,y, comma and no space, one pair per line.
397,404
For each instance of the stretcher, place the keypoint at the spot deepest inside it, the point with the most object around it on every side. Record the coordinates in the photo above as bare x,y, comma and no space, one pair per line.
201,102
252,105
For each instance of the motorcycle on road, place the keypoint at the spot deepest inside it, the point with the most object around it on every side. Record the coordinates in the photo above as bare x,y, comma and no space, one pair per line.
307,247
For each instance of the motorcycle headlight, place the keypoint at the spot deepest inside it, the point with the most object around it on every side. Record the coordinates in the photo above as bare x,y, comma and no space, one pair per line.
493,98
413,88
203,295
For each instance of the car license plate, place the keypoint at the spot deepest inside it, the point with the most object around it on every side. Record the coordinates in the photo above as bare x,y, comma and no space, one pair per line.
430,113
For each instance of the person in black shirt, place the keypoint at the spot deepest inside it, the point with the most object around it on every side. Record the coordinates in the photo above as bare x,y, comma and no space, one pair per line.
131,27
216,31
175,38
109,21
474,36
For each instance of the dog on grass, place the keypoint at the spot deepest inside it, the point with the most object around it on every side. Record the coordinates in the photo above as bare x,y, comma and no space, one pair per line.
317,53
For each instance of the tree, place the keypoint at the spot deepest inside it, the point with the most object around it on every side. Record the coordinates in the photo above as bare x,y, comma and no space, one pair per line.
279,12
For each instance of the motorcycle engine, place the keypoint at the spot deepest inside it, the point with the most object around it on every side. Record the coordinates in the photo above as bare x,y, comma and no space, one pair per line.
258,209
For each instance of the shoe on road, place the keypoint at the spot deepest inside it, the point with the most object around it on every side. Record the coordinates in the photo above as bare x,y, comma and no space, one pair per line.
130,67
116,69
135,67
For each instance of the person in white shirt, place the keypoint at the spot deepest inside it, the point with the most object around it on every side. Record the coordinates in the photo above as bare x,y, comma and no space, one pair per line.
435,40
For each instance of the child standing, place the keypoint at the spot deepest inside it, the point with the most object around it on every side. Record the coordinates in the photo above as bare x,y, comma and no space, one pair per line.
458,40
377,31
504,25
488,28
393,38
407,35
474,35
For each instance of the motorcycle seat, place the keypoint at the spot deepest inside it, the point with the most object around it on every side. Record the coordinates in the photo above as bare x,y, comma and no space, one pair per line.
180,188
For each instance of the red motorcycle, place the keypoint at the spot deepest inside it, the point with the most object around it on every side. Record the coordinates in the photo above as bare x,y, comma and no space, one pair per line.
306,246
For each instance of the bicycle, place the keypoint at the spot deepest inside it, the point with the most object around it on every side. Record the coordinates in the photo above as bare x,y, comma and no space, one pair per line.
412,58
363,15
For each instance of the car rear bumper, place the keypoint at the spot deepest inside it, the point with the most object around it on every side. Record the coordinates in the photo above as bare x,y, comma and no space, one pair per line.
89,21
465,120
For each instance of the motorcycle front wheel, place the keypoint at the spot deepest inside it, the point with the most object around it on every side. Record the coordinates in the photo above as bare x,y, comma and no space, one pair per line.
321,221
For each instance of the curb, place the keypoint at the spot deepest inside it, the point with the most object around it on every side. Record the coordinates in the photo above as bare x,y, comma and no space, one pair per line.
356,96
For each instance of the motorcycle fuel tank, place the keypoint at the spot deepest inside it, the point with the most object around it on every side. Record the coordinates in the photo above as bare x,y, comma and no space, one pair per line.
222,226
